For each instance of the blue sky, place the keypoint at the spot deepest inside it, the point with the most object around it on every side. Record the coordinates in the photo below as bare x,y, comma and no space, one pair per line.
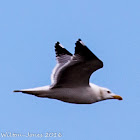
28,32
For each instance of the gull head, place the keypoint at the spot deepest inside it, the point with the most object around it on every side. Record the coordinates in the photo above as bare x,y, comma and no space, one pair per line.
107,94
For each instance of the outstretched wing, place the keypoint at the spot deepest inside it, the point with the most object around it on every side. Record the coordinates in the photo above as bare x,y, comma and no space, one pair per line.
62,57
77,71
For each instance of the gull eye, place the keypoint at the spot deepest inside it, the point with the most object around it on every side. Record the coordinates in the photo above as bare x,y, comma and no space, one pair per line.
108,91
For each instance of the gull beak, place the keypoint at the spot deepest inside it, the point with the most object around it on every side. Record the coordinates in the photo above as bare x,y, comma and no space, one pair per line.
117,97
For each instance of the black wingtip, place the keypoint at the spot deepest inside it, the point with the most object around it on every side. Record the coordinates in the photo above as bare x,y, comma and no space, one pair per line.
83,50
60,50
57,43
79,42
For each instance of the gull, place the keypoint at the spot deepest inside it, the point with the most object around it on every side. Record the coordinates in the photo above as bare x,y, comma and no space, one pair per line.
70,78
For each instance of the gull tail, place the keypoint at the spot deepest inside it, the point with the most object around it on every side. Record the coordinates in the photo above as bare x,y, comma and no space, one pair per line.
24,91
30,92
17,91
39,92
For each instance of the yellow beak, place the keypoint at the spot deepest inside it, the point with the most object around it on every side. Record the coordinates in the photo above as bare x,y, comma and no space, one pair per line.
117,97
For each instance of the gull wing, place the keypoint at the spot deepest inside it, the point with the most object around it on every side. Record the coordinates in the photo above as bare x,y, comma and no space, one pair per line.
62,57
77,71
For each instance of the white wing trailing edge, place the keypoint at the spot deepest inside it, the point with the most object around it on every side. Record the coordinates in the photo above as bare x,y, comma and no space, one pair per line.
62,57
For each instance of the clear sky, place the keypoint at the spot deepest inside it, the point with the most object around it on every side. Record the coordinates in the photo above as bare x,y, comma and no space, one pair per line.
28,31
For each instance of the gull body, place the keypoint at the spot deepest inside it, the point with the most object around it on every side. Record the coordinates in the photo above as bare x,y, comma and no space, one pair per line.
70,78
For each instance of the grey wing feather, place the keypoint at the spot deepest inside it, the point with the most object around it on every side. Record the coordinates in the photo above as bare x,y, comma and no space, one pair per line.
78,70
62,57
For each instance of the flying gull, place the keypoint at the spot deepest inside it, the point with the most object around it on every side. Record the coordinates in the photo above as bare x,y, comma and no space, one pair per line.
70,78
